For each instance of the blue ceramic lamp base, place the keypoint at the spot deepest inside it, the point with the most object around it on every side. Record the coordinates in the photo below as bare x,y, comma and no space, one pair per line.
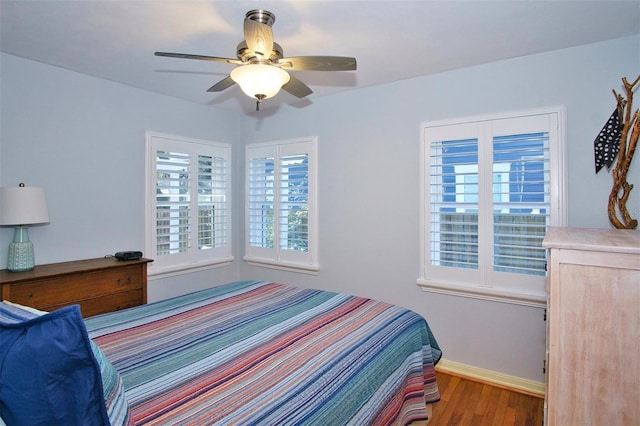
21,251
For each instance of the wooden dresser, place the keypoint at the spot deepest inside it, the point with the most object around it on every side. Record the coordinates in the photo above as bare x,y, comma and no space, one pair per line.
593,336
97,285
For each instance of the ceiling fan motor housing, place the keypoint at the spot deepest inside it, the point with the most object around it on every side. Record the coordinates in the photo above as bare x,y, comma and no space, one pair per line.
246,55
262,16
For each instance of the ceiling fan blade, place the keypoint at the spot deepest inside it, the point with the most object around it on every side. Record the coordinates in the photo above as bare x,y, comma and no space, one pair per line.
259,35
225,83
319,63
297,87
199,57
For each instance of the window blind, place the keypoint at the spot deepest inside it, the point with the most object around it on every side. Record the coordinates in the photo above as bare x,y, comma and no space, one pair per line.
294,202
454,203
492,185
213,215
261,202
188,203
173,207
521,202
291,210
281,208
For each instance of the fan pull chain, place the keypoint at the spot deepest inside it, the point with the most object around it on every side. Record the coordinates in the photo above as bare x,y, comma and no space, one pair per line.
259,101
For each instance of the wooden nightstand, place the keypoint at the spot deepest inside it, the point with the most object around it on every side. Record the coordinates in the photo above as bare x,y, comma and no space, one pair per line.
97,285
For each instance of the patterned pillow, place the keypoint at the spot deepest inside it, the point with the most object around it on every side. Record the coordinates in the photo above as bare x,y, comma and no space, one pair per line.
116,406
114,398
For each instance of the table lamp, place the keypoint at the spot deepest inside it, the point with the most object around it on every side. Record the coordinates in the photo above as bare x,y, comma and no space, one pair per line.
21,206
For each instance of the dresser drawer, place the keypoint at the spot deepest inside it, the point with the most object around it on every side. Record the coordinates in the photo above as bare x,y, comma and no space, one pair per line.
107,303
65,290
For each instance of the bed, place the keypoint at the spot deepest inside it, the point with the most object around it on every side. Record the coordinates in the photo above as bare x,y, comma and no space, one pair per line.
244,353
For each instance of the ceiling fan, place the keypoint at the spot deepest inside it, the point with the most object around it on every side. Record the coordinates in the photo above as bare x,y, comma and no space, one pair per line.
262,71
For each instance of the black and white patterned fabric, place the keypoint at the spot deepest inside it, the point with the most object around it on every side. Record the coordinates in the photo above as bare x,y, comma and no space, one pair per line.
607,143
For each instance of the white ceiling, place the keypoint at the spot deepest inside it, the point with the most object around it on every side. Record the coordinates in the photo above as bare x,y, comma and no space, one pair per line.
391,40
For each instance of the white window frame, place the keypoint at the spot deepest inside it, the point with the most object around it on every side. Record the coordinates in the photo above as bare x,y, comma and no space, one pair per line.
289,260
485,283
193,259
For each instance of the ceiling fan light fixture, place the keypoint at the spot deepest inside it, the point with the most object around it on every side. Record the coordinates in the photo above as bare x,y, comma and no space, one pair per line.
260,59
260,81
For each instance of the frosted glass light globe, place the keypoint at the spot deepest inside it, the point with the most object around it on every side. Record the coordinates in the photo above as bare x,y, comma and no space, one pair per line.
260,81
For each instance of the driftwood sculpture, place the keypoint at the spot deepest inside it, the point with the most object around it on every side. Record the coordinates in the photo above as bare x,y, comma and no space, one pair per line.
617,208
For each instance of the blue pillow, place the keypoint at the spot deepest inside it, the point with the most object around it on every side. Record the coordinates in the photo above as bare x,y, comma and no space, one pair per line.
112,385
48,372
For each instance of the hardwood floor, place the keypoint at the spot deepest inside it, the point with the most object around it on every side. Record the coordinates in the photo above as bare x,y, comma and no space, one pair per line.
465,402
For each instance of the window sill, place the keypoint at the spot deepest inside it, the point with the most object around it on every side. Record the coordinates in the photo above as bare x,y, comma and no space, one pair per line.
174,270
484,293
283,266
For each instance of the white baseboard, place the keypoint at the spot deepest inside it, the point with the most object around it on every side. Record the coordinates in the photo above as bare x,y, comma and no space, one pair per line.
505,381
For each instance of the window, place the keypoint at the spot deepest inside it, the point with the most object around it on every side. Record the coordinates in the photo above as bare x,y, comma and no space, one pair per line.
491,186
281,206
188,190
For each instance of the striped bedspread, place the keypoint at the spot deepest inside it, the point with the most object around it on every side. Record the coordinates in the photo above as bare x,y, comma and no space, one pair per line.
261,353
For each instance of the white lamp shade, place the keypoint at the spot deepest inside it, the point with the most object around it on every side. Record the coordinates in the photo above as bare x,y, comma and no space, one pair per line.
259,79
23,205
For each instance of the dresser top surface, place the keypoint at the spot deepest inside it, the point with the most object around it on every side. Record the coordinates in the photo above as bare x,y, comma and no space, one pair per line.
593,239
65,268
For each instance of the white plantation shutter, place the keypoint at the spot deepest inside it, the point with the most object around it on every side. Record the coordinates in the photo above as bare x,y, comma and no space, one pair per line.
213,206
294,202
491,187
521,202
173,204
261,170
281,205
454,203
189,198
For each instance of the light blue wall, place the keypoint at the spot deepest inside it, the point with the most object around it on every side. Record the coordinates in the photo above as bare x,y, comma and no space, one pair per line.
369,185
83,139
